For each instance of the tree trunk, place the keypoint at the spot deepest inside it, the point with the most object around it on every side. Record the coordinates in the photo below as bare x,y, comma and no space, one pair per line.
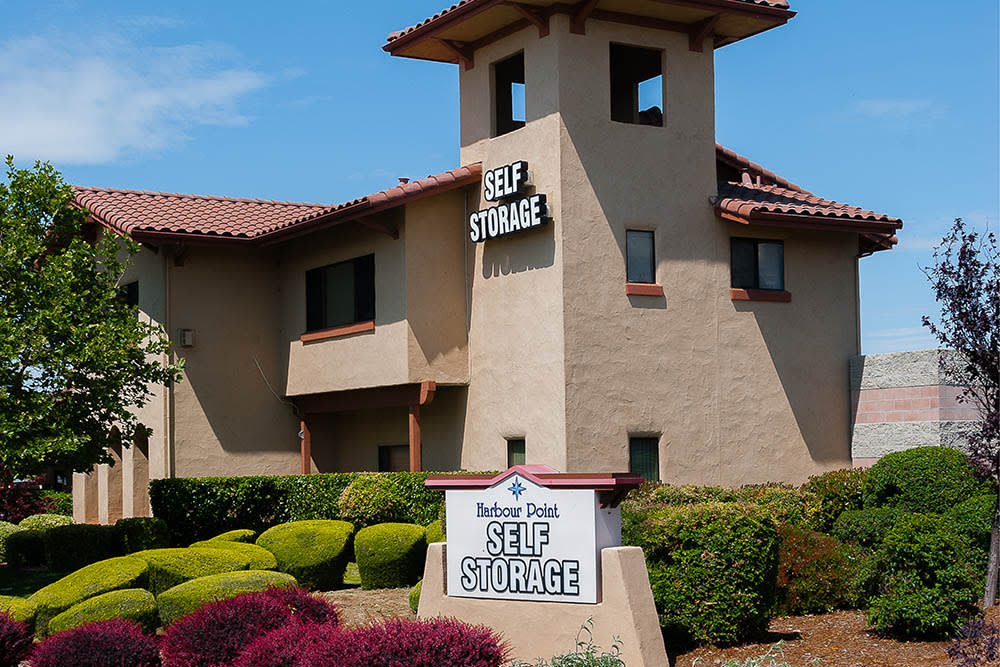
993,565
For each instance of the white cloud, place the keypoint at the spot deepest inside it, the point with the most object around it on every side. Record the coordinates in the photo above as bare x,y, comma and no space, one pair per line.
897,340
891,107
102,99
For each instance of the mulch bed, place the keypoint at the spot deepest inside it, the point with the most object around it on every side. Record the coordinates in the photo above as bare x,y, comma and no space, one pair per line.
358,607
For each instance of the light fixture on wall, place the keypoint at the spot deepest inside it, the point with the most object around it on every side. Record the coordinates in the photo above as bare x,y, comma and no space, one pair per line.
185,337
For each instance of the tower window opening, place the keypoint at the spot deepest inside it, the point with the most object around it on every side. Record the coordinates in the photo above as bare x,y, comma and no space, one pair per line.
508,94
636,85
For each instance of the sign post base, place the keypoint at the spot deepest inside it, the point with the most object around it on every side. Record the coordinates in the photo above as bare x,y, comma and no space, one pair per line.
545,629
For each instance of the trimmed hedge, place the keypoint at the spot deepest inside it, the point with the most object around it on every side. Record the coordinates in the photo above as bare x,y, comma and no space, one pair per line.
414,597
141,533
390,555
868,527
314,552
239,535
185,598
6,530
103,577
43,521
197,508
170,567
114,643
26,548
132,604
838,491
19,609
259,558
62,501
816,573
712,568
72,546
435,532
922,479
973,518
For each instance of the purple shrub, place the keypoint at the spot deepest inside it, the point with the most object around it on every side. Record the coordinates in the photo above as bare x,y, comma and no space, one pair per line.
15,641
19,502
978,643
287,645
304,607
114,643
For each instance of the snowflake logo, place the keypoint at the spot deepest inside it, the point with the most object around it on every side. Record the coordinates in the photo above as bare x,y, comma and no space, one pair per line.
517,489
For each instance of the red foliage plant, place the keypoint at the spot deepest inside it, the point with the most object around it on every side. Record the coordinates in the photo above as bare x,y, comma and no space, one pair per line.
18,502
116,642
217,633
403,643
15,641
285,646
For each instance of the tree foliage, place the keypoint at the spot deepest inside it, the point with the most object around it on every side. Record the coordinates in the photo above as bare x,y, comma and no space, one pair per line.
75,360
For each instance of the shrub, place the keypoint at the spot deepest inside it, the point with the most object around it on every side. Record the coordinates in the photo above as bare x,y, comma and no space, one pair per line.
783,503
287,645
303,606
116,642
61,502
216,633
838,491
141,533
586,653
712,568
390,555
923,479
414,596
102,577
421,643
314,552
978,643
866,528
371,499
43,521
72,546
435,532
170,567
6,530
927,587
26,548
15,641
132,604
185,598
18,502
973,518
239,535
816,573
258,557
19,609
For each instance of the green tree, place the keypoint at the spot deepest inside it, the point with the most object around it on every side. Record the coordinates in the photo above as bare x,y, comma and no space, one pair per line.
75,360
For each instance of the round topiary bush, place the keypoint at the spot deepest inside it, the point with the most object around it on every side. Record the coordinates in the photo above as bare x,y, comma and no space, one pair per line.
72,546
15,641
19,609
102,577
238,535
390,555
838,490
141,533
116,642
185,598
6,530
170,567
414,597
435,532
259,558
43,521
315,552
867,527
287,645
923,479
927,585
372,498
132,604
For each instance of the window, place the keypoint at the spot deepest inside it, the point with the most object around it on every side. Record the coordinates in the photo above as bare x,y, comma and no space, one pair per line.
515,452
129,294
640,262
636,85
644,457
340,294
508,94
758,264
393,458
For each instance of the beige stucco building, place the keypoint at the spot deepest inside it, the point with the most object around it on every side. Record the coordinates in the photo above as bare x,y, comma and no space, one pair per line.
668,306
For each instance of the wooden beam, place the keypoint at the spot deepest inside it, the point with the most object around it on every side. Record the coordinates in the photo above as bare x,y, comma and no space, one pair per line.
700,31
415,453
460,50
582,12
736,7
306,446
427,390
379,227
540,20
359,399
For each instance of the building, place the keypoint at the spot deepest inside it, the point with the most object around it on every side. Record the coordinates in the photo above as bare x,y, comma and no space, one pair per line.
597,286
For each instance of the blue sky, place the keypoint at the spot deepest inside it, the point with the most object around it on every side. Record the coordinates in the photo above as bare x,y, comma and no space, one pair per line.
890,105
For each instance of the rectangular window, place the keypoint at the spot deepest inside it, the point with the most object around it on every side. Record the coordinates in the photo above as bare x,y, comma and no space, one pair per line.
515,452
508,94
393,458
636,85
640,256
129,294
340,294
644,457
758,264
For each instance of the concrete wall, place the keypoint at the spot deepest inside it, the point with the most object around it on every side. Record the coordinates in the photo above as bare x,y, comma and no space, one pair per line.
902,400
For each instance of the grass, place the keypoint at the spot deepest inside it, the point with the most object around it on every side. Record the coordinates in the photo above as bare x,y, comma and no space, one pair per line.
352,577
23,583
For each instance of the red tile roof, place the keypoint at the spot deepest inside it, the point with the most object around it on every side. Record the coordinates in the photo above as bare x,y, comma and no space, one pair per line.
139,213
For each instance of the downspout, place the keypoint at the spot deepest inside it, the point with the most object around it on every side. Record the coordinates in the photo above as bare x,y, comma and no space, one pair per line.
168,399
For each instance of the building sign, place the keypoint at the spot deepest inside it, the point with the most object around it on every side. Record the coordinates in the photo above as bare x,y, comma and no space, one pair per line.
513,213
519,540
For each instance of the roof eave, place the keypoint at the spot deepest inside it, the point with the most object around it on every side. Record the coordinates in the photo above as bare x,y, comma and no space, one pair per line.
812,222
